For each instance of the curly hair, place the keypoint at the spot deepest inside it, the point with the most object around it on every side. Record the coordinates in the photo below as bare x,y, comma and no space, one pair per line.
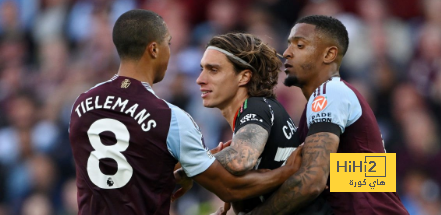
259,55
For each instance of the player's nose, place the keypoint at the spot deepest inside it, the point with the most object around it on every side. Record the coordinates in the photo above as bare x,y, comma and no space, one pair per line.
287,53
201,79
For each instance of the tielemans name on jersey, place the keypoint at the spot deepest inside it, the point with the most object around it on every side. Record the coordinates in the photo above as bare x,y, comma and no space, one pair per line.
320,117
111,103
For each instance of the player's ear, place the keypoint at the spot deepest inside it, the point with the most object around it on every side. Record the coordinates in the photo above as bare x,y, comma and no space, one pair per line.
330,55
152,49
245,77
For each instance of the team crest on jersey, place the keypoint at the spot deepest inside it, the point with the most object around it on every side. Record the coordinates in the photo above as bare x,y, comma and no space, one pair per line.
319,103
125,83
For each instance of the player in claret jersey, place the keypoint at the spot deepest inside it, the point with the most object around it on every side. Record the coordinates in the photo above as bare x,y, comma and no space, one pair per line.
336,119
238,76
126,141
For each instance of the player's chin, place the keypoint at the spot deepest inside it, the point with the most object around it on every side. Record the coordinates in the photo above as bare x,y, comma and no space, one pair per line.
291,80
207,104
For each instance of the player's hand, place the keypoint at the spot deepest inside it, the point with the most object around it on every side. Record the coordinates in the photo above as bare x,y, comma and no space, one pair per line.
220,147
186,184
223,210
295,159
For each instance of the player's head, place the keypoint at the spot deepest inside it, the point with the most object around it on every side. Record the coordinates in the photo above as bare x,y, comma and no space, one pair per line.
237,64
316,46
143,35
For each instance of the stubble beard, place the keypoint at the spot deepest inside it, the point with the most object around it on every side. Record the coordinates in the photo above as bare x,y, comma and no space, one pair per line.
291,81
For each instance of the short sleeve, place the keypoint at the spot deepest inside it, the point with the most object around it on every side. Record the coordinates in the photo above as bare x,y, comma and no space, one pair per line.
255,110
333,102
185,143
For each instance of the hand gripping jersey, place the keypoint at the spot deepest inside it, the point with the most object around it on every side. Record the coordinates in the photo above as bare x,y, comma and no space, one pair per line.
126,142
282,141
338,108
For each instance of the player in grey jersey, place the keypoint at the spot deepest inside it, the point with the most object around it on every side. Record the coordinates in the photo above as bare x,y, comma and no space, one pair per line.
126,141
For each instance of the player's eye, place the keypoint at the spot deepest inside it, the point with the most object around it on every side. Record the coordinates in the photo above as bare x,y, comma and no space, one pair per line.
300,46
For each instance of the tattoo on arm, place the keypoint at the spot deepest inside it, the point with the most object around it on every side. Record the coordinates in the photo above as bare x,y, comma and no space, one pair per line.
247,145
309,181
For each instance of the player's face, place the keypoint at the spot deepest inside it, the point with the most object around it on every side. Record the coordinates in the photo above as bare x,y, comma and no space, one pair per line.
218,80
163,57
302,55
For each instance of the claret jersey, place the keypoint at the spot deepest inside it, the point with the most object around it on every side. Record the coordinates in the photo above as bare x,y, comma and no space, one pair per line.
337,107
126,142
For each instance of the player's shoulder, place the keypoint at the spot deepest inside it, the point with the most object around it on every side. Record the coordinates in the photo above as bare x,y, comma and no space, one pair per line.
333,88
176,110
334,101
102,85
97,87
259,102
254,100
181,116
255,105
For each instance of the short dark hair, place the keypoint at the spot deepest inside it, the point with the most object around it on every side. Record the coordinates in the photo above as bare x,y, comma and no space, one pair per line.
330,26
134,30
262,57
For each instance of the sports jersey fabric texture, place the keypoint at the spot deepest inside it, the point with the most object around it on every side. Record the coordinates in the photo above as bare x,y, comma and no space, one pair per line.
282,141
337,103
126,142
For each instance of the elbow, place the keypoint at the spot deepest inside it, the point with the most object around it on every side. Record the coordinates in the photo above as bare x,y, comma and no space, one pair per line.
316,189
239,170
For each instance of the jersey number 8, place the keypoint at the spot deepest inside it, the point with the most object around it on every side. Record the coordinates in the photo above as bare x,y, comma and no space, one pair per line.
122,135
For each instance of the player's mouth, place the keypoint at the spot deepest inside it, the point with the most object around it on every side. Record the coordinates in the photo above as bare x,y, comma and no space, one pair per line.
287,67
205,93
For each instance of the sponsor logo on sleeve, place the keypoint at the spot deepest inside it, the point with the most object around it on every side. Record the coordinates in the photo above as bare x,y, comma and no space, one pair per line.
319,103
320,117
250,117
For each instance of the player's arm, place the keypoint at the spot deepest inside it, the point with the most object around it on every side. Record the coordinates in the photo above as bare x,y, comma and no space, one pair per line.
240,157
185,143
231,188
246,147
309,181
213,151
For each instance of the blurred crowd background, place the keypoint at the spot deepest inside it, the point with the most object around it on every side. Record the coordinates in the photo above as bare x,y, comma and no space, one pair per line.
53,50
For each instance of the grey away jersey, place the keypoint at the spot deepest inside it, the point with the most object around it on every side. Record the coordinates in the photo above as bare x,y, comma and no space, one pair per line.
126,142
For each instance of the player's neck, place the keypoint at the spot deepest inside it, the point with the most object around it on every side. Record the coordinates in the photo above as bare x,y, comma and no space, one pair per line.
308,89
137,70
230,110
